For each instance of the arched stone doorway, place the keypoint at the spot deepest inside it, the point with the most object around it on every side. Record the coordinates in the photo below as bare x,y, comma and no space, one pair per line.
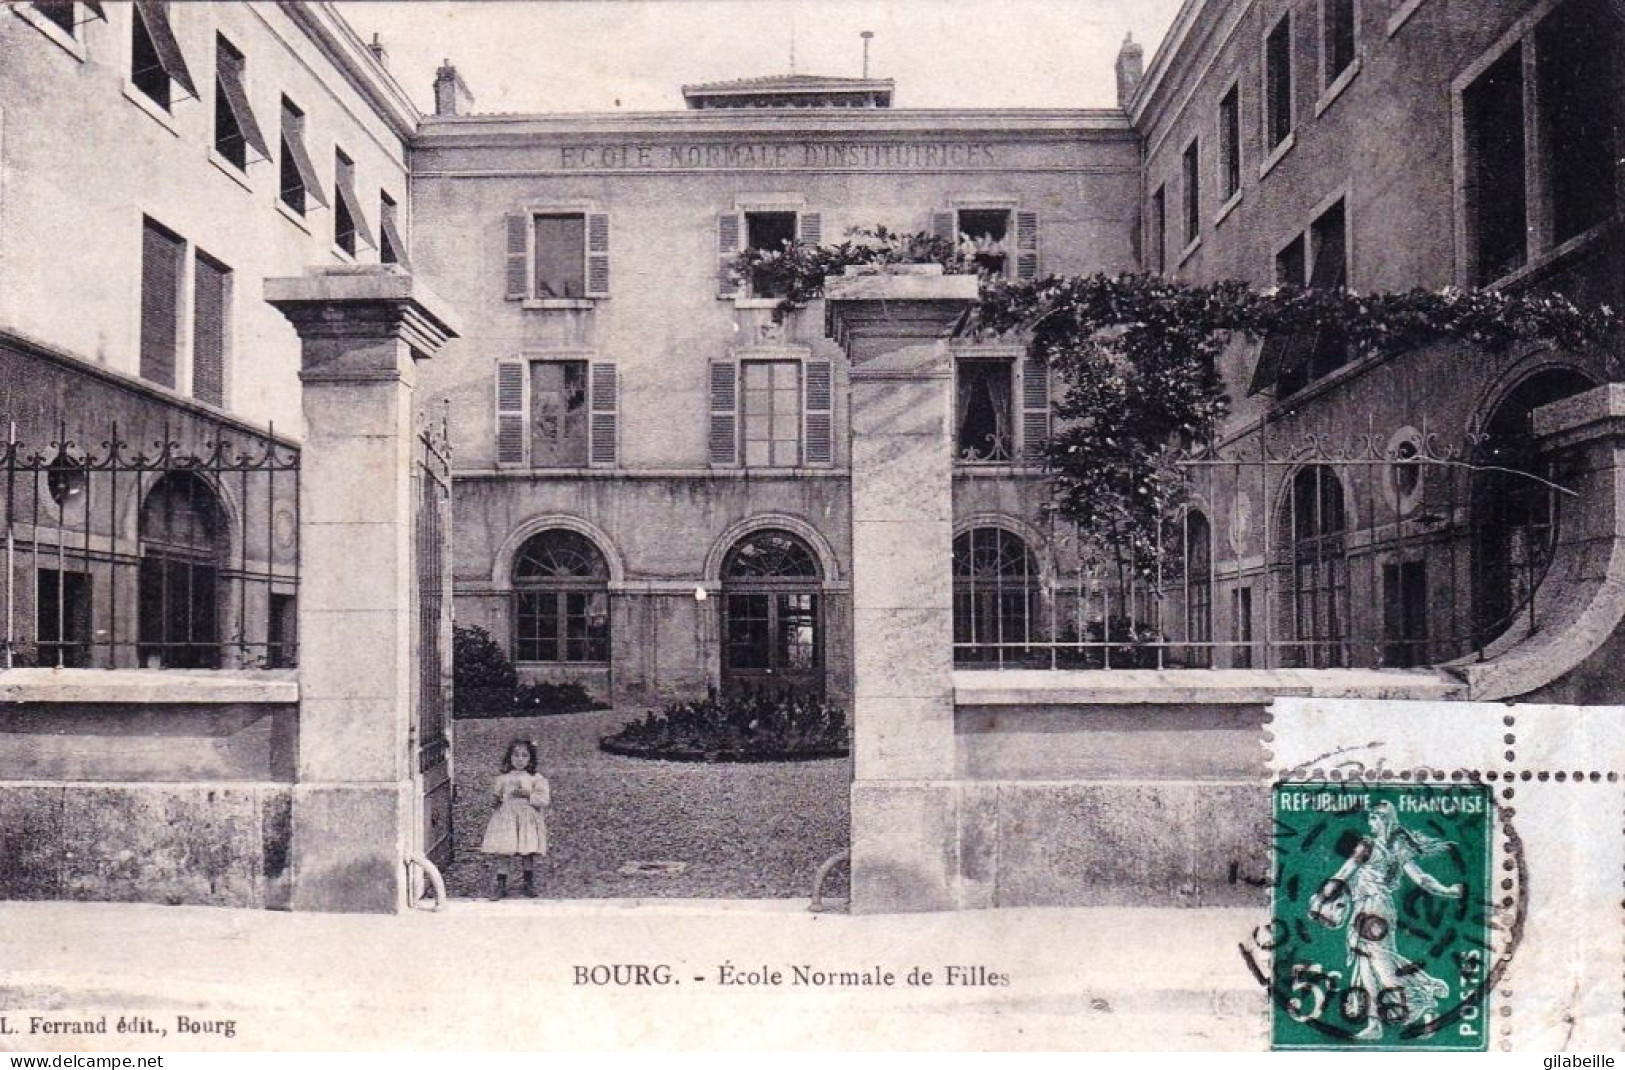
185,544
1515,517
772,616
1314,526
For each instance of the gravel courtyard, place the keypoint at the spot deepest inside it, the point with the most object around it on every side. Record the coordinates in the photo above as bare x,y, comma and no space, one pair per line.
744,831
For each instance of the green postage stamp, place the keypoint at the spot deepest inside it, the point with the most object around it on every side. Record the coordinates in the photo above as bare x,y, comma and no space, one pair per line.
1380,928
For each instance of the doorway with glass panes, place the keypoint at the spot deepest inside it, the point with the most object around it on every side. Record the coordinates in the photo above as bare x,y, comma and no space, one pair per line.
772,617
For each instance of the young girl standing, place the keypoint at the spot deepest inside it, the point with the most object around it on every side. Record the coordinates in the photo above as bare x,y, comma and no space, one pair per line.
517,827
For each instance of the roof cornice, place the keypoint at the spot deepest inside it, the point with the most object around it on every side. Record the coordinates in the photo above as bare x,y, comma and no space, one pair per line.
1190,13
340,44
774,122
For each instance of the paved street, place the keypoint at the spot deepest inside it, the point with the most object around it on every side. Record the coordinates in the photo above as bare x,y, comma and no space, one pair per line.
503,975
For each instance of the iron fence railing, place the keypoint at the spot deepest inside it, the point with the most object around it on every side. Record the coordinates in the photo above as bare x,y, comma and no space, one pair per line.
1375,550
176,551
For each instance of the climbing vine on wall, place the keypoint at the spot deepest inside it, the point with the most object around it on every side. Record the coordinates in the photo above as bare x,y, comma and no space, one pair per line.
1137,357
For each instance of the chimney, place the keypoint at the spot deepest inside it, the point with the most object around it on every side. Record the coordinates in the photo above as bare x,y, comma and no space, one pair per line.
451,95
376,47
1130,69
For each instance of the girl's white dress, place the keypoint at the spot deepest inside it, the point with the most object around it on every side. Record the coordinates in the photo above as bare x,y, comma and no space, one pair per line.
517,826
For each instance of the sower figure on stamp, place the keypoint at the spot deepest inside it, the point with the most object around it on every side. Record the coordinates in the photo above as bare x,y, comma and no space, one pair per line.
517,828
1363,896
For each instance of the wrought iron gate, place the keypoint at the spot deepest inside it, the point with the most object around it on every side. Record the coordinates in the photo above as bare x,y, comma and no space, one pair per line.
431,713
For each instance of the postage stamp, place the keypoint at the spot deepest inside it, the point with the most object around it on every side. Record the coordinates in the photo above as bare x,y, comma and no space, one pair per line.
1381,927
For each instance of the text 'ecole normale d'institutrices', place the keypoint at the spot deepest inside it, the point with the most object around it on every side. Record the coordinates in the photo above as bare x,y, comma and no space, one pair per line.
662,482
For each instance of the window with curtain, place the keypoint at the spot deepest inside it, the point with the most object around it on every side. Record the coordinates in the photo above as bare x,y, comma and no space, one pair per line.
983,417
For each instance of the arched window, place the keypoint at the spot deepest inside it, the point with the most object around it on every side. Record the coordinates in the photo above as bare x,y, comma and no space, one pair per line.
1514,516
995,597
1198,588
184,544
561,599
1315,602
772,616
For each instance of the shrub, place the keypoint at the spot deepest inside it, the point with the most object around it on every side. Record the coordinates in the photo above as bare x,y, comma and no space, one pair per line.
478,663
738,728
485,684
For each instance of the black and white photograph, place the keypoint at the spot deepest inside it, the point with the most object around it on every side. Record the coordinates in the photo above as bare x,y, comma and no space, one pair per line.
806,525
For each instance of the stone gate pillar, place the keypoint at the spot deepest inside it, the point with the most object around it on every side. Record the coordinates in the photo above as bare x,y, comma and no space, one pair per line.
895,327
363,330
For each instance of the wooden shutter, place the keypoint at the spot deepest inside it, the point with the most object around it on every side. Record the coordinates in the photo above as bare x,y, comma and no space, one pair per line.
154,16
210,291
730,238
818,412
230,80
945,225
1026,246
724,438
604,399
160,303
511,418
597,255
293,142
810,228
1035,410
518,256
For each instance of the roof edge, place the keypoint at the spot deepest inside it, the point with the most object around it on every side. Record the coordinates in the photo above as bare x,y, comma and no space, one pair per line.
1190,12
342,46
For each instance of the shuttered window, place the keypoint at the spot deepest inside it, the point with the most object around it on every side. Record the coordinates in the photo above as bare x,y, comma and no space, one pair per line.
161,261
157,67
350,230
510,412
765,229
1035,410
772,413
1027,246
561,256
597,255
820,412
236,130
724,428
1000,240
300,185
391,246
210,316
605,445
556,256
60,13
730,238
557,413
1291,361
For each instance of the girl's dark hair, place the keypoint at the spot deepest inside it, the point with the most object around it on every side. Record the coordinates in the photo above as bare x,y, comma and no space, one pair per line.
507,755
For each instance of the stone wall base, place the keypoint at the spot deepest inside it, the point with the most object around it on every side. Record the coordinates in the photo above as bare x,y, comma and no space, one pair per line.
194,844
958,845
350,843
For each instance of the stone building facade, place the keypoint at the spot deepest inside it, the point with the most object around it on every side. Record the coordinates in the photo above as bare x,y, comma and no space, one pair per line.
653,486
1385,147
158,162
